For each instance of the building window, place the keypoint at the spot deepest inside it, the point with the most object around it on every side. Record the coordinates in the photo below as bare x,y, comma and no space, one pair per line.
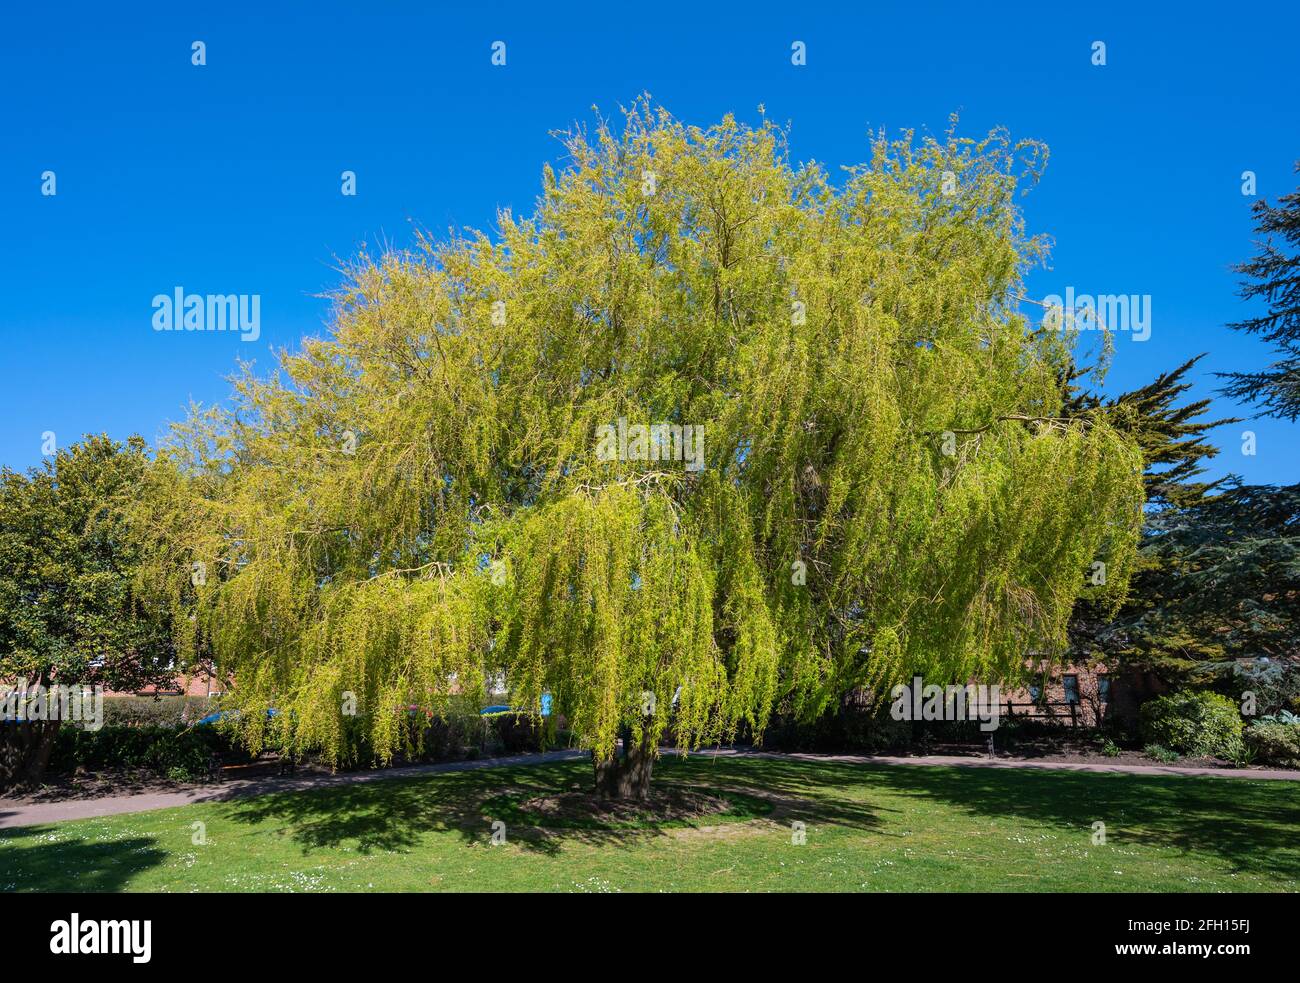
1034,693
1103,688
1071,684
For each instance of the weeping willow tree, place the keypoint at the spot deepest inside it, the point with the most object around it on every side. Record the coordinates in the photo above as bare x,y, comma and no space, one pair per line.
453,484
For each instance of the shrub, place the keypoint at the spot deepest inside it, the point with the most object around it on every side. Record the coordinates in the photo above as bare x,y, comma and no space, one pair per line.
447,737
1281,717
164,750
1276,684
848,728
1277,744
155,711
1160,753
1109,748
446,733
1199,724
518,733
562,740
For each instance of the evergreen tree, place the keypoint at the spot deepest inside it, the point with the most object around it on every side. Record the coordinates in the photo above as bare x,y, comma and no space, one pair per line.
1173,439
1172,436
1273,275
1224,581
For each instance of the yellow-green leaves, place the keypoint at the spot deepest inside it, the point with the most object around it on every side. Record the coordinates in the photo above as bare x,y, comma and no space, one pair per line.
418,502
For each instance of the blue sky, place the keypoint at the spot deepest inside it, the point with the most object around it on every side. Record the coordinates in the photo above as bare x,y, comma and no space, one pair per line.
226,178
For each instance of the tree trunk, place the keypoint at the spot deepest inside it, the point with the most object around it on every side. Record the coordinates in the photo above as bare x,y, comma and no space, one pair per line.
628,776
25,750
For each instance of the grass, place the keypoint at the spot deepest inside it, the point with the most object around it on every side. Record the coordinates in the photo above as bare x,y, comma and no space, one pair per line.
867,828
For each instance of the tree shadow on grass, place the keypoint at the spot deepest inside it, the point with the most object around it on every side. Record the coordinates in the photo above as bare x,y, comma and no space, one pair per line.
797,791
394,816
1253,826
38,858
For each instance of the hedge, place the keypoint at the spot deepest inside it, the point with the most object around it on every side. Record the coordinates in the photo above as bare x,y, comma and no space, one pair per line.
1195,723
156,711
184,754
1275,744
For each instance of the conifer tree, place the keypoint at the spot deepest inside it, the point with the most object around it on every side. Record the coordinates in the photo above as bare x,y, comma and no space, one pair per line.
1273,276
1223,582
1172,437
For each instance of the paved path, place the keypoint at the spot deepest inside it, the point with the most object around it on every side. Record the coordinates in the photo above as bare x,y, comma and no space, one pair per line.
27,813
24,813
948,760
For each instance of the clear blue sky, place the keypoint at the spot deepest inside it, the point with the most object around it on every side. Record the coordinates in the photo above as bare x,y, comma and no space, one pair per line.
225,178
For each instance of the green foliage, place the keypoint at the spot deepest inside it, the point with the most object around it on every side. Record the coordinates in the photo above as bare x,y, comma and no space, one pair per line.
1172,438
1225,580
1273,275
421,736
160,711
1276,744
869,730
874,408
1109,748
1284,717
456,731
69,610
1170,434
1158,752
1275,684
164,750
1198,724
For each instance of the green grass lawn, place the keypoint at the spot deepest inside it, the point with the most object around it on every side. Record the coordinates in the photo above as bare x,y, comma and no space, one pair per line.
872,828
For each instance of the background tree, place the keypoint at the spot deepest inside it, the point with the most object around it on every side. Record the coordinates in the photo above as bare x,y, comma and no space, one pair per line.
1274,276
69,610
416,501
1216,573
1227,578
1173,437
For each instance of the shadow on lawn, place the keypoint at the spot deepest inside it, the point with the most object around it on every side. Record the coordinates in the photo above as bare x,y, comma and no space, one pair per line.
72,865
1254,826
392,816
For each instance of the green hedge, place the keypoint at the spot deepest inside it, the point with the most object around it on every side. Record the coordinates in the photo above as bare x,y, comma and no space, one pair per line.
173,752
1275,744
868,730
457,731
156,711
186,753
1197,724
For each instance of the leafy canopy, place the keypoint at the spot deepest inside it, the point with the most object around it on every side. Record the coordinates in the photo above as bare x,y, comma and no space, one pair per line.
69,609
414,502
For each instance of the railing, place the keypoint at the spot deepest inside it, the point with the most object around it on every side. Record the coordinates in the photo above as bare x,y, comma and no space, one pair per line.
1055,710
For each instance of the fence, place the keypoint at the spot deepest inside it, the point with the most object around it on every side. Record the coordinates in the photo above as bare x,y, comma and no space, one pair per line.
1064,712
